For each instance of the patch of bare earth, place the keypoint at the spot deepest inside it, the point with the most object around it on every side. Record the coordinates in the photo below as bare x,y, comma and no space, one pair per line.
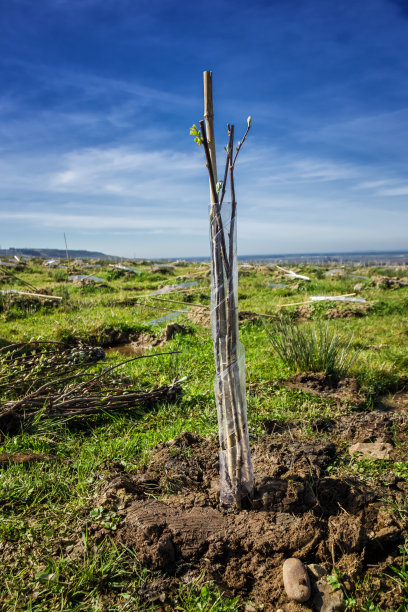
345,391
173,520
22,458
200,316
129,344
305,313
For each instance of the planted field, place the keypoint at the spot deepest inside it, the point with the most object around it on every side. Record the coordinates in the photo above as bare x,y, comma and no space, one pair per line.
109,492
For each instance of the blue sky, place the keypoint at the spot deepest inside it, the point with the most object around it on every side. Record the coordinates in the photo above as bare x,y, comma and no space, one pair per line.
97,97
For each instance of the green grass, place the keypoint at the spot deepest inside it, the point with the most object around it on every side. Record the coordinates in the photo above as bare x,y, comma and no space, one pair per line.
314,348
45,507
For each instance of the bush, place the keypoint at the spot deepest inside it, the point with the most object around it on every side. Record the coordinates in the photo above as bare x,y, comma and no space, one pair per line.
311,348
59,276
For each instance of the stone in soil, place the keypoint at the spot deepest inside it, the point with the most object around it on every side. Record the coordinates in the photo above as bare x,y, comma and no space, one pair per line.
325,599
372,450
296,580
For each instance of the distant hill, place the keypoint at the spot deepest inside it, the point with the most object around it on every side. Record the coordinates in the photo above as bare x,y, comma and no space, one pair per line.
55,253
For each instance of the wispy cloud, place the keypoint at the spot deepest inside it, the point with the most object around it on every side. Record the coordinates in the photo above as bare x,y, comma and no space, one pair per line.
386,187
394,191
94,136
157,223
119,172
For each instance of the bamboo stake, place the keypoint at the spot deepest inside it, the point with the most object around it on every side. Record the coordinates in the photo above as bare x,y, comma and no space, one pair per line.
209,122
39,295
224,306
219,255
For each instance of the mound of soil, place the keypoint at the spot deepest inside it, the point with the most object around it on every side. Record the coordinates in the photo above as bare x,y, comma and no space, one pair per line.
348,312
200,316
173,520
109,337
247,315
345,391
137,342
21,458
304,312
385,282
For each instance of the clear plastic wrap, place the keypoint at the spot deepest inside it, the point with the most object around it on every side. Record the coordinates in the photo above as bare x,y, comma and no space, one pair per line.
236,475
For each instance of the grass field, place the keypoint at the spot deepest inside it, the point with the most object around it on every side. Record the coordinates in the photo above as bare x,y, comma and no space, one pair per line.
49,509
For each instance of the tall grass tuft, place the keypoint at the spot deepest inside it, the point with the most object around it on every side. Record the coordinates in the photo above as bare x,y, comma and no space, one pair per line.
314,348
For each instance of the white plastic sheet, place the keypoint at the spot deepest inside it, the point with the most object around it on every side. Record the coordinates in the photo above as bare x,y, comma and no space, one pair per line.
291,274
167,317
336,298
125,268
96,279
170,288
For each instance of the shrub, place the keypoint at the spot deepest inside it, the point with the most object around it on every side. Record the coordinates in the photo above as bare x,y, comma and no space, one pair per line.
311,348
59,276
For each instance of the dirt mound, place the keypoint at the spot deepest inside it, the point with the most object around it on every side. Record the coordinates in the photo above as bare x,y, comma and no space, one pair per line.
372,426
129,344
385,282
344,391
348,312
21,458
399,400
247,315
136,343
172,329
172,518
304,312
200,316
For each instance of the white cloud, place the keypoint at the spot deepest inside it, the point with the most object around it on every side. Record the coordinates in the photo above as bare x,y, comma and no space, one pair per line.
160,222
123,171
394,191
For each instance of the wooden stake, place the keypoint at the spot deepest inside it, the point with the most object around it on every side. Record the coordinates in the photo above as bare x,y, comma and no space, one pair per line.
66,247
209,123
38,295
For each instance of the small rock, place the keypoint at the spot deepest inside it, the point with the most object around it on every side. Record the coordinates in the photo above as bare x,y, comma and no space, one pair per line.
296,580
316,570
374,450
249,608
325,599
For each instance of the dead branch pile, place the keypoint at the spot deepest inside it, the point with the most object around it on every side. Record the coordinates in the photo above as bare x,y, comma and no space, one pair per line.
51,379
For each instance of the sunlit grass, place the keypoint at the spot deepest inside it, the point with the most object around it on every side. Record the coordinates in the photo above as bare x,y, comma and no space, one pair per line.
44,507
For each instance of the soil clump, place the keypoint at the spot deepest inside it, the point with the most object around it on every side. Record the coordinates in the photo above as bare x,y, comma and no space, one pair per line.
200,316
386,282
22,458
128,342
344,391
305,313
